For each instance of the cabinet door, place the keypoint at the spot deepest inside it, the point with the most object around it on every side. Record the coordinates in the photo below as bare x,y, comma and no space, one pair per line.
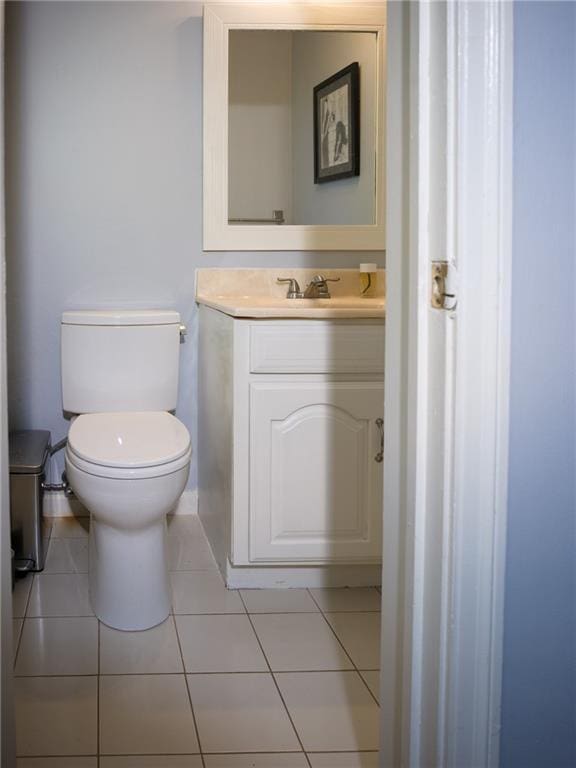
315,483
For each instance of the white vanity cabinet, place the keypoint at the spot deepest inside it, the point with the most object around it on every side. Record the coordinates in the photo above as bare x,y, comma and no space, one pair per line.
290,440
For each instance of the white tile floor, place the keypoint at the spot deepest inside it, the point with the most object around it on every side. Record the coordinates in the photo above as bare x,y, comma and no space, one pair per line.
232,679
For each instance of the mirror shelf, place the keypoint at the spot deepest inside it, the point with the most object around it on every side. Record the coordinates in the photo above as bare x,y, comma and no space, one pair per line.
221,233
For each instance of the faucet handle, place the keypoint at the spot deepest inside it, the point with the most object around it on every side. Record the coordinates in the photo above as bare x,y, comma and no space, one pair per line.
318,287
294,291
322,279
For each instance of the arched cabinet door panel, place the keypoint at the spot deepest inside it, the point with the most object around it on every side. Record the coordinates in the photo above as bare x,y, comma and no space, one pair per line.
315,473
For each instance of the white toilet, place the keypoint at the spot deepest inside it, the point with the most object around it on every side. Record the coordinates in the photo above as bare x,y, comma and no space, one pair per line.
127,457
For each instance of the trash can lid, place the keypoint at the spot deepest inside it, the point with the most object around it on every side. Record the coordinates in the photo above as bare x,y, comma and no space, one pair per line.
28,450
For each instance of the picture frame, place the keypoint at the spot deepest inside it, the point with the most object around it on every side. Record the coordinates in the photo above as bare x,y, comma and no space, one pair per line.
337,126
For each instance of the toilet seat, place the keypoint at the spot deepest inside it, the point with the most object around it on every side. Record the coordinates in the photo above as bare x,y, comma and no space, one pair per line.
128,445
128,473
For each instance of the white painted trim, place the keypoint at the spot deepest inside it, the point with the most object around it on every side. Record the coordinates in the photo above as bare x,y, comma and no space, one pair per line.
310,577
7,730
440,690
393,690
218,234
483,62
59,504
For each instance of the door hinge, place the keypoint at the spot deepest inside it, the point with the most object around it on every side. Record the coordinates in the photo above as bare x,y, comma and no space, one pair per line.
443,285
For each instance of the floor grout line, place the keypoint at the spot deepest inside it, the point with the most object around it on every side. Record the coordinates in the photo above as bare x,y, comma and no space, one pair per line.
212,753
208,754
65,616
193,674
23,620
355,668
275,681
98,702
358,672
316,603
29,598
196,729
201,613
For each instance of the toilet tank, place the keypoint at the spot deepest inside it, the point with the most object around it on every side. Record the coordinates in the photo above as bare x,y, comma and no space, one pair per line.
125,360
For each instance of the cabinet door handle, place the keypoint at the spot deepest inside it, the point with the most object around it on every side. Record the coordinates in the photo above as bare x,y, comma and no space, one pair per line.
380,455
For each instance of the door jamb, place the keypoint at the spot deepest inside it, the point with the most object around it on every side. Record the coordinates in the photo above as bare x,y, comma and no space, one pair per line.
462,696
7,728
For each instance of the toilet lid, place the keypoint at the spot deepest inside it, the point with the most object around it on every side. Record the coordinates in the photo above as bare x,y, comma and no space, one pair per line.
142,439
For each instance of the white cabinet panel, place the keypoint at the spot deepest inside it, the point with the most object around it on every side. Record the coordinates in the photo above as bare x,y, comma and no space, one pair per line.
312,347
315,486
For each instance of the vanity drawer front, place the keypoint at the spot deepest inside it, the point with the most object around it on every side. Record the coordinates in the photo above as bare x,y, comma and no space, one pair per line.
317,348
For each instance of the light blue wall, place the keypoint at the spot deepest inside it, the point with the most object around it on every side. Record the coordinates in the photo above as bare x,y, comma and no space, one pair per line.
104,183
539,693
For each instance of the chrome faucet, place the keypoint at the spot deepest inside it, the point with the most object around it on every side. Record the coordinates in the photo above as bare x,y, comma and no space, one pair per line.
317,288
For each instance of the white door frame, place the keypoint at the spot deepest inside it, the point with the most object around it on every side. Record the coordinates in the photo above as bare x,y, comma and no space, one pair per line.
449,198
7,737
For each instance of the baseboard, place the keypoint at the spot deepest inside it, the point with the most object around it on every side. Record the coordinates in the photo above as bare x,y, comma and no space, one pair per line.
59,504
187,503
262,577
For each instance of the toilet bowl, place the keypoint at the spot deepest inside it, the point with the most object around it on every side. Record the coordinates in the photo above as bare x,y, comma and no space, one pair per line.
127,457
129,470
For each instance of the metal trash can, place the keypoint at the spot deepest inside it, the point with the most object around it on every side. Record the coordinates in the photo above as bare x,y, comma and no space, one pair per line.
29,452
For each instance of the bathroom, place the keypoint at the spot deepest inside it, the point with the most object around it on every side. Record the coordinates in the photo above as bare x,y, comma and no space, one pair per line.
105,211
105,206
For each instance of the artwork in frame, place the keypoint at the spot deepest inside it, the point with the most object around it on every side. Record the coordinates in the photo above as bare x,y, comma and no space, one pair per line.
337,126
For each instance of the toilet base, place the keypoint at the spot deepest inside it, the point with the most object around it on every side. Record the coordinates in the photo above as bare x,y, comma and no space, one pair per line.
128,575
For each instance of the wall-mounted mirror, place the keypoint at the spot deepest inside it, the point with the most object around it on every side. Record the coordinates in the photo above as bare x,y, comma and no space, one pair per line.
294,127
294,144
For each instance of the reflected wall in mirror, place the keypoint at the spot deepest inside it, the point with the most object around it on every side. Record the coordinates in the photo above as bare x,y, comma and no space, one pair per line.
272,75
261,65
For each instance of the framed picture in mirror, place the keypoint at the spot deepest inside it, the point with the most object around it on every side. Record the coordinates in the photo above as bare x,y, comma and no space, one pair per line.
336,126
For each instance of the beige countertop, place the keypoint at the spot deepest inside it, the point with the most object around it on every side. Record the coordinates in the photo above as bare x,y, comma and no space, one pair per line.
254,293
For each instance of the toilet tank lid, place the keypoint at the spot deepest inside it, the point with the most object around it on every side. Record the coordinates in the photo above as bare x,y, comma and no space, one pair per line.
121,317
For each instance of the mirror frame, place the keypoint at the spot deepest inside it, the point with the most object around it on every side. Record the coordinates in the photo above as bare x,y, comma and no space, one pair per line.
219,235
